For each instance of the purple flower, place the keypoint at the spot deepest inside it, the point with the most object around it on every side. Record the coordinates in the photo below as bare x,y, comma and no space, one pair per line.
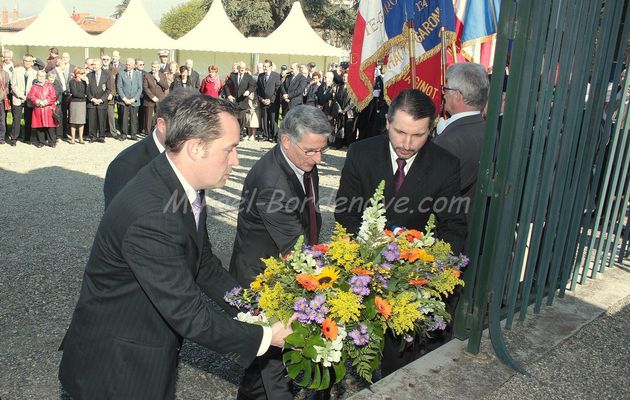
359,284
440,325
391,252
382,281
360,336
313,311
234,298
463,261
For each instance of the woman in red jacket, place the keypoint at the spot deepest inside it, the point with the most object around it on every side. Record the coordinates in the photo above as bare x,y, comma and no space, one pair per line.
42,96
211,84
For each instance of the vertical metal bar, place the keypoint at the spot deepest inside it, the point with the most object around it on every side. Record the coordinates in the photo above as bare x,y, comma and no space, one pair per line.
614,14
485,261
615,218
537,151
574,195
562,172
472,303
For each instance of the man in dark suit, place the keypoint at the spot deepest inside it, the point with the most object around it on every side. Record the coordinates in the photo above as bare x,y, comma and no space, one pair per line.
266,90
154,88
98,89
293,88
242,85
129,161
465,96
420,178
193,76
129,88
278,205
111,99
150,262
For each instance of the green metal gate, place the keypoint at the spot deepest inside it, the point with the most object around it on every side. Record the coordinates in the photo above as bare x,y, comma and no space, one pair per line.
552,192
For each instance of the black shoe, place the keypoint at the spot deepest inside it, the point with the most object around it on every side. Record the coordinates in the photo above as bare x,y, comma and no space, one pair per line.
12,142
2,142
133,137
39,145
100,140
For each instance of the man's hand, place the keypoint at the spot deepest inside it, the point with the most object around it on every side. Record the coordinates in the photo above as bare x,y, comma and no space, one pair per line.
246,94
231,98
279,331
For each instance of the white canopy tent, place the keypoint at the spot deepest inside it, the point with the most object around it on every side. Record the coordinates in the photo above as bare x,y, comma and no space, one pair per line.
296,37
135,30
53,27
215,25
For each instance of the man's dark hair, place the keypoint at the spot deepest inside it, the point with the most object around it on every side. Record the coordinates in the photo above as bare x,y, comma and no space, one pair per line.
168,105
413,102
197,117
53,50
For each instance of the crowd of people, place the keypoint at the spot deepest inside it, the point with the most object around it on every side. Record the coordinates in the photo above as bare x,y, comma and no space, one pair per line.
111,97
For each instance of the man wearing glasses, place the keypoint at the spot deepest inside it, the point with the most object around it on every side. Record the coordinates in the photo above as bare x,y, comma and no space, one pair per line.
278,205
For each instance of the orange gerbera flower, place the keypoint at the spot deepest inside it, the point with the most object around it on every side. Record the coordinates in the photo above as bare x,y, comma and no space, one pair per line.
308,282
321,247
410,255
388,232
418,282
360,271
456,272
330,329
383,307
413,234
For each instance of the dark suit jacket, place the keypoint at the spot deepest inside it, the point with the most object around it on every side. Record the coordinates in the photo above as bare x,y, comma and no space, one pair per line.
126,165
236,90
433,175
99,90
272,215
269,89
194,79
152,87
294,87
141,295
464,139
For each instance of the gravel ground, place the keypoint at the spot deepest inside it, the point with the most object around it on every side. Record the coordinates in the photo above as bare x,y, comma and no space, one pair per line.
593,364
52,202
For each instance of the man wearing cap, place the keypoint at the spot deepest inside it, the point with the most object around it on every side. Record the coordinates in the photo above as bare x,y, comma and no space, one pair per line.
163,54
311,70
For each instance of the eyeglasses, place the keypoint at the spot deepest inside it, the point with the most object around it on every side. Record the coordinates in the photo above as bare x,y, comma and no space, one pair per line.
453,89
312,152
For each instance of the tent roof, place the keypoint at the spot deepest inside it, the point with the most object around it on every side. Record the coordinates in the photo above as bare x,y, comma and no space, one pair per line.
295,36
53,27
134,30
215,24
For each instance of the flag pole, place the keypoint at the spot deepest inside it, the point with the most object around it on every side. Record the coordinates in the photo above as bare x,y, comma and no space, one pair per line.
412,51
443,68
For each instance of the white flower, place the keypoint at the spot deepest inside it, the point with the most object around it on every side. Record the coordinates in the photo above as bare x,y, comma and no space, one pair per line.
260,319
374,220
331,351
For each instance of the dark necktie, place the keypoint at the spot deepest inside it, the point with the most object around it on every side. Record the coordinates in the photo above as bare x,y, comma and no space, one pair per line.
399,177
238,82
197,206
266,77
310,202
